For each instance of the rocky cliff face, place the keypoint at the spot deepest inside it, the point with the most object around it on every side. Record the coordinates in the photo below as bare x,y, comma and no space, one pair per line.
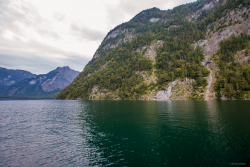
9,77
42,85
235,22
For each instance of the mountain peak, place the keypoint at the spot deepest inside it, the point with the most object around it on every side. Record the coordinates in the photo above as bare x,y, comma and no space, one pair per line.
9,77
39,85
64,67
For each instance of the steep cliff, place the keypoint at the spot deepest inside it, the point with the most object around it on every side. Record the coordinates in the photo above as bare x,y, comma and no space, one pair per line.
233,22
162,55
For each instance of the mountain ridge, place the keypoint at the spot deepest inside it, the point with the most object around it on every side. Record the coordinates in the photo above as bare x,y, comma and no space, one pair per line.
9,77
161,55
42,85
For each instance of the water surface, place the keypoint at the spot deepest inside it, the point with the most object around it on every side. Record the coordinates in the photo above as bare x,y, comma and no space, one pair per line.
124,133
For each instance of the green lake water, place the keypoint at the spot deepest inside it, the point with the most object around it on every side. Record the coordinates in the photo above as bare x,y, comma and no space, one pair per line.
124,133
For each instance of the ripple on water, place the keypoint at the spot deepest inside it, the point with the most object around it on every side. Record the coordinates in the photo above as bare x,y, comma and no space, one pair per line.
123,133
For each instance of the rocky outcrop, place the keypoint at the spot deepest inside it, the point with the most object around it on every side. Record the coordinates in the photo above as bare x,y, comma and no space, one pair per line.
115,33
210,93
243,57
147,77
211,45
151,52
207,6
235,23
96,55
140,50
129,35
153,19
165,95
103,66
231,18
101,94
176,90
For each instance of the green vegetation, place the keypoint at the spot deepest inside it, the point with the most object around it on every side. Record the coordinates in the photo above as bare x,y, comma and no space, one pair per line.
175,59
233,80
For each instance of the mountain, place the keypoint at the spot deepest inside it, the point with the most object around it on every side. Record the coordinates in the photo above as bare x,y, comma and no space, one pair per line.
9,77
194,51
45,85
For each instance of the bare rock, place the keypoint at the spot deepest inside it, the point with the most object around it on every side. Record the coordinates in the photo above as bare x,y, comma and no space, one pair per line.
113,34
151,52
102,93
212,44
165,95
206,7
96,56
153,19
103,66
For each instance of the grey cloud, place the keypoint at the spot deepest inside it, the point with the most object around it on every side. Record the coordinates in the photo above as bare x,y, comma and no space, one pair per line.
47,49
87,33
114,16
35,61
76,62
37,64
10,15
12,54
59,16
25,15
133,7
19,44
23,61
47,33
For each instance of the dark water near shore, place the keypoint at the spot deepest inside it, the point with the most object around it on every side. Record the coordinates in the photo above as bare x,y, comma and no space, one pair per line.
124,133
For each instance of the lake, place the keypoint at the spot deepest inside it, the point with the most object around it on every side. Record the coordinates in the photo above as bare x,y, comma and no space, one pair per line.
124,133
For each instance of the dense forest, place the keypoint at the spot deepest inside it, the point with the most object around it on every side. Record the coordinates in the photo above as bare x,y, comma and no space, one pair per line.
233,80
115,68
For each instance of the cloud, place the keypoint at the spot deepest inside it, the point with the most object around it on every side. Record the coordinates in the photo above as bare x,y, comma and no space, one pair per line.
30,42
59,16
37,64
40,35
27,62
133,7
38,57
114,16
87,33
49,34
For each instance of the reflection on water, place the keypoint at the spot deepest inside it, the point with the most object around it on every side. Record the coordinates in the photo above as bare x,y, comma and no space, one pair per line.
124,133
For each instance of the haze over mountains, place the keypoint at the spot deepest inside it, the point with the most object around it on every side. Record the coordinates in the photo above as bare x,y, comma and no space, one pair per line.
19,83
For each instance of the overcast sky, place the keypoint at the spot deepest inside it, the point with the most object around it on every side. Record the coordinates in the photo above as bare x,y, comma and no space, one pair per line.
40,35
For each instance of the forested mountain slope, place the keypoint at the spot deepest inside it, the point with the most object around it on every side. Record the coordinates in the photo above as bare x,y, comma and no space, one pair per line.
170,54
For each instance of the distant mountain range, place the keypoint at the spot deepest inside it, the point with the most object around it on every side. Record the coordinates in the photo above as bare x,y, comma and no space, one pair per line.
9,77
23,84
